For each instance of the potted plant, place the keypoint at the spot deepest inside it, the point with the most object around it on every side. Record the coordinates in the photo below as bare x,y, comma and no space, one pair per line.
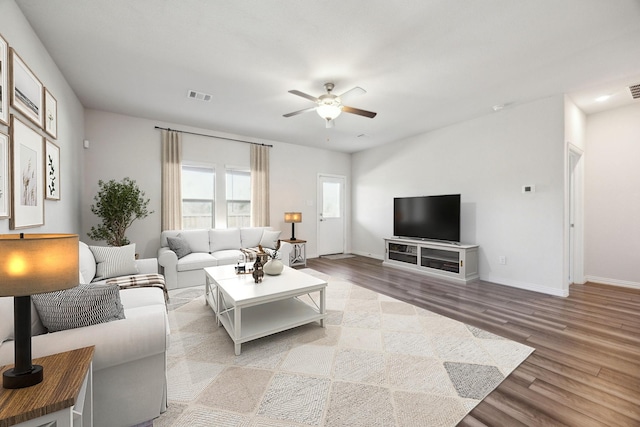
118,204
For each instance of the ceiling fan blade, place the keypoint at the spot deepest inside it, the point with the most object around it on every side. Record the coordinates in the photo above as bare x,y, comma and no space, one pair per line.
352,92
304,95
359,112
329,123
295,113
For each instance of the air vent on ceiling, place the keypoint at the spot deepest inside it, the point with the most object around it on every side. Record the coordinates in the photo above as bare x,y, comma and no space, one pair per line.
192,94
635,91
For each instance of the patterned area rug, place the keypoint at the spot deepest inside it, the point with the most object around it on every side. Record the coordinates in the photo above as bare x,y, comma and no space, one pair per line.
379,362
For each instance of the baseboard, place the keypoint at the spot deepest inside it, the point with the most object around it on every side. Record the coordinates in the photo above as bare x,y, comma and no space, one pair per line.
368,255
526,286
612,282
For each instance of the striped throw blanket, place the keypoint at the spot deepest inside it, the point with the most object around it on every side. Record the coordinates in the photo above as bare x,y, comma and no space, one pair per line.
141,281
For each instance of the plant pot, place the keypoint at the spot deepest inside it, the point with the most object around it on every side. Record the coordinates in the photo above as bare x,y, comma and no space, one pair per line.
273,267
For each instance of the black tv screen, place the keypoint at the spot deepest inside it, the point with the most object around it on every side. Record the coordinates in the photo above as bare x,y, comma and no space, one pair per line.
427,217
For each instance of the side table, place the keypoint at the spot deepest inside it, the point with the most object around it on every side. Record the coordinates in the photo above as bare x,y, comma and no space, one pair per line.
298,254
63,399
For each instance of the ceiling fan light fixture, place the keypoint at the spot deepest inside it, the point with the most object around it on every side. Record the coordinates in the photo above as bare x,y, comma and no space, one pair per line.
328,111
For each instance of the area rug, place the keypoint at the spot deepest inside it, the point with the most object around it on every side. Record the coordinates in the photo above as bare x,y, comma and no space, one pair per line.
378,362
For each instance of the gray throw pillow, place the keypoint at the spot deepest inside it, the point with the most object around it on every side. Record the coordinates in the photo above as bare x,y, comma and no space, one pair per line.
179,246
83,305
114,261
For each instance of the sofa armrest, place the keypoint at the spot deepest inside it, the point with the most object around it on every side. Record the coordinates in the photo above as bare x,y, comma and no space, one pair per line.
169,262
285,252
147,265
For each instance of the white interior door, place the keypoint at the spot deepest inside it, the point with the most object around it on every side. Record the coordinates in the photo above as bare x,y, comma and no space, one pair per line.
331,221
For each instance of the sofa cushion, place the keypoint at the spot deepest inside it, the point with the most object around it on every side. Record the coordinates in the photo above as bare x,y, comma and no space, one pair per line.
6,318
269,239
195,261
224,238
83,305
198,240
87,263
229,256
250,236
113,261
179,245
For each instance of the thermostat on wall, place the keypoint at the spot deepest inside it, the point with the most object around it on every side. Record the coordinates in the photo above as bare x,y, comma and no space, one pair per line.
528,188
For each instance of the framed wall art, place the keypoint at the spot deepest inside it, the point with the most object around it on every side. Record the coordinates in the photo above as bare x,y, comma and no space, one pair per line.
4,81
5,178
52,171
27,193
50,114
26,90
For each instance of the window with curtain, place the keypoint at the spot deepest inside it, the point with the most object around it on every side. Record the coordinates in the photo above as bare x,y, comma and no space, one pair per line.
198,197
238,195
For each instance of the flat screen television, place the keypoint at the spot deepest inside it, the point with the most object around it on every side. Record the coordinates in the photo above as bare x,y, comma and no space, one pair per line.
427,217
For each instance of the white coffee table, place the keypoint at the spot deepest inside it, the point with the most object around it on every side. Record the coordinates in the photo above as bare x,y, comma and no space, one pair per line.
250,310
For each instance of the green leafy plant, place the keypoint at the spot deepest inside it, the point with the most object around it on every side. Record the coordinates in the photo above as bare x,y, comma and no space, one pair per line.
118,204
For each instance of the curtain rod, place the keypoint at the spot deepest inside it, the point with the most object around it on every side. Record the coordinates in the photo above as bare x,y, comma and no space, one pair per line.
213,136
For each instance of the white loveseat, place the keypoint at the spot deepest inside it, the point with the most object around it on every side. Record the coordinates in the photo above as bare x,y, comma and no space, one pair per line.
212,247
129,363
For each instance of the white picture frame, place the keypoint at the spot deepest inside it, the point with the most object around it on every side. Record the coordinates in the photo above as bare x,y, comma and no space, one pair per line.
52,171
26,90
50,114
5,177
4,81
27,168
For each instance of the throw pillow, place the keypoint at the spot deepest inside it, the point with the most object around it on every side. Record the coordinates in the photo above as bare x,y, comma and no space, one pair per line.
179,246
269,239
113,261
83,305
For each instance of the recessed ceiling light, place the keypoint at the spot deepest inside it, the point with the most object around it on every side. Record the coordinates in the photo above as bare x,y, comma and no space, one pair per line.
603,98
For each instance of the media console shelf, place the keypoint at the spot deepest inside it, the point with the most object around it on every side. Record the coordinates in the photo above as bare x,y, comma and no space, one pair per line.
447,260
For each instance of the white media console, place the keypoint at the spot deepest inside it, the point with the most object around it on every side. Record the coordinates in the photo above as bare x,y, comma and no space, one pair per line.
447,260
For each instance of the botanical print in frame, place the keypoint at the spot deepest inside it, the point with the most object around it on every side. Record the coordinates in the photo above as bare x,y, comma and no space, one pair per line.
4,81
27,167
5,179
50,114
52,171
26,90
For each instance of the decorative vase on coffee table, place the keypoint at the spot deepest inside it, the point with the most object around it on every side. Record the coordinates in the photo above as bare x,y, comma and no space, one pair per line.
273,267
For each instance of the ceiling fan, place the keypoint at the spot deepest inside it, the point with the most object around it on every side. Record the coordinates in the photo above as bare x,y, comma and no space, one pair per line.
329,106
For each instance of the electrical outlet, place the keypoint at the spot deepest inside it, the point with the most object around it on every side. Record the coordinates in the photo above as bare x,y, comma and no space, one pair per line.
502,260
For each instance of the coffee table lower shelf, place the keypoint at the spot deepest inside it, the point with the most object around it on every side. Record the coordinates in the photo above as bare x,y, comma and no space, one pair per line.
266,319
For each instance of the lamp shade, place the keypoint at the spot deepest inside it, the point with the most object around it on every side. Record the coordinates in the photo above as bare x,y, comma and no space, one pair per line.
292,217
37,263
328,112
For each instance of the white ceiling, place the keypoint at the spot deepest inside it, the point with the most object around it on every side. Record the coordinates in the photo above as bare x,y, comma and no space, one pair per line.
424,63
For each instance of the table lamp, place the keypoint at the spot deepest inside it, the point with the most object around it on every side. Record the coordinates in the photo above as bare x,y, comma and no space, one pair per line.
33,264
293,217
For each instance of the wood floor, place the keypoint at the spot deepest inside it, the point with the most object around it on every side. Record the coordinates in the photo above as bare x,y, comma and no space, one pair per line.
585,370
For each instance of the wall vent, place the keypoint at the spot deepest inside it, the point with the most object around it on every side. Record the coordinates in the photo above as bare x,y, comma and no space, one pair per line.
192,94
635,91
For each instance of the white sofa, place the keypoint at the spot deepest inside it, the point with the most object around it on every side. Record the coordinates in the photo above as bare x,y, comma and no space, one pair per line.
129,363
212,247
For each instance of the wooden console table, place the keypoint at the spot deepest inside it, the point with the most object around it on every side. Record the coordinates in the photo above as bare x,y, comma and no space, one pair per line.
63,399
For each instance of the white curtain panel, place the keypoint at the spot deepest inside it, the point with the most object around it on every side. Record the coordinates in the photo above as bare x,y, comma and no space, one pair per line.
259,185
171,182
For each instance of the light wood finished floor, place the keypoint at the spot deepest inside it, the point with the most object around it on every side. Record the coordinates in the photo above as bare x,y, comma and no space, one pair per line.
585,370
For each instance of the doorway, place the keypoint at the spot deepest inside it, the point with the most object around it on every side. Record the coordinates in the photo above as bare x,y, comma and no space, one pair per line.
575,218
331,214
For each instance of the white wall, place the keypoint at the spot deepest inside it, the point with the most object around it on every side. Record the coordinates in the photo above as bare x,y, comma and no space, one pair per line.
487,161
612,197
123,146
61,216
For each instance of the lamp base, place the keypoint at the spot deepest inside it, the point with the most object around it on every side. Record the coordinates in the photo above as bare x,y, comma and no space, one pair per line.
12,379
